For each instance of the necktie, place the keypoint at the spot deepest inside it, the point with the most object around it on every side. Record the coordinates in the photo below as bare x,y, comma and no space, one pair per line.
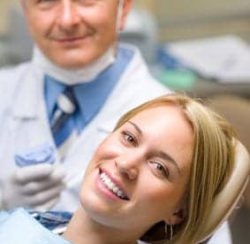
62,123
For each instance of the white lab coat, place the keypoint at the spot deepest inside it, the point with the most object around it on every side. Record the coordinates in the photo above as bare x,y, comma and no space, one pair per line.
24,123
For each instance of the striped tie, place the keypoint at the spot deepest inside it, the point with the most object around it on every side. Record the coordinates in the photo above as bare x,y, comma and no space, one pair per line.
62,125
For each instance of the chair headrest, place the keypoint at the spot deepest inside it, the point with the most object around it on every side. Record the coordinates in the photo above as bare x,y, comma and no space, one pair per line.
227,199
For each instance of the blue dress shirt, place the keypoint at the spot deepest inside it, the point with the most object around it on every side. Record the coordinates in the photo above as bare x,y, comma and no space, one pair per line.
90,96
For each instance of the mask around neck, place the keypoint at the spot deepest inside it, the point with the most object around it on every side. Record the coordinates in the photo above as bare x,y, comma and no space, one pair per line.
76,76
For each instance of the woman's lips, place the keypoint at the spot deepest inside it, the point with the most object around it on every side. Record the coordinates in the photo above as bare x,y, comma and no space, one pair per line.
112,185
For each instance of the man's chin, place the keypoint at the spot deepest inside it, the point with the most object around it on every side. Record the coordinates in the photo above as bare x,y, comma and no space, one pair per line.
71,63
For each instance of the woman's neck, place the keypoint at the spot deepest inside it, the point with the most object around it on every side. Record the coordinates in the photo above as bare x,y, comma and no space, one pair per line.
84,230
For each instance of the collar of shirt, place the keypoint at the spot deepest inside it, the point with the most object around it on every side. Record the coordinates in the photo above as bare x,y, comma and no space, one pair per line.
91,95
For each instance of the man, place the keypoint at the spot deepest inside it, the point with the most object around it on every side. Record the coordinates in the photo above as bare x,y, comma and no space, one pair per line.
76,45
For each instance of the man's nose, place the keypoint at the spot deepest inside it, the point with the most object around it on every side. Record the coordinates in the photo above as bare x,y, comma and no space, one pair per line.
128,167
69,14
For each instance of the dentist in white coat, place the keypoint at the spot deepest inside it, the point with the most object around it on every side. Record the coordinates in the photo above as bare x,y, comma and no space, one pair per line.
76,44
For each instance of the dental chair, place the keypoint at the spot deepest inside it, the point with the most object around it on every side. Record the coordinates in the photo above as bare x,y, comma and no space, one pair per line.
227,200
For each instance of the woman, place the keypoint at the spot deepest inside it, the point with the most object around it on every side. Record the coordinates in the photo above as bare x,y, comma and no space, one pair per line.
156,176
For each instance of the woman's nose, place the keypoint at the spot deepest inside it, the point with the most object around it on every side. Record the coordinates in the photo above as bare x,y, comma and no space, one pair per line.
128,168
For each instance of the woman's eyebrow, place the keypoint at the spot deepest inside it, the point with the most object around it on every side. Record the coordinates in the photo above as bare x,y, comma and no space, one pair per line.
168,158
136,127
160,154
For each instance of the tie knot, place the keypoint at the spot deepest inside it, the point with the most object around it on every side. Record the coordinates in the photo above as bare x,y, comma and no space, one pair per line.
67,101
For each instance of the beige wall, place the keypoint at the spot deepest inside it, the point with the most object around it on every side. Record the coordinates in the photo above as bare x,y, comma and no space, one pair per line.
173,9
5,5
183,19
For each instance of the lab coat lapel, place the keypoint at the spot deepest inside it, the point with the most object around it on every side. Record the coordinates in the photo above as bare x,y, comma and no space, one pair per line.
29,121
28,96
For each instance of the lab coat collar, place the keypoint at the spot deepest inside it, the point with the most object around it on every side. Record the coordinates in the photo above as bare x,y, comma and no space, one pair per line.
31,88
136,69
93,94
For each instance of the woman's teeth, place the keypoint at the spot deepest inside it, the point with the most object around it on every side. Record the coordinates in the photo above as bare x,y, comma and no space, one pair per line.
112,186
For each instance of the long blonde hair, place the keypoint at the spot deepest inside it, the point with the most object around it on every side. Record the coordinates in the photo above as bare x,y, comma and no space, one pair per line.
212,163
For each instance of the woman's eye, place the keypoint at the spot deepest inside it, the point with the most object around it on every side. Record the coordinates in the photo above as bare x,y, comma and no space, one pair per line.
129,138
160,168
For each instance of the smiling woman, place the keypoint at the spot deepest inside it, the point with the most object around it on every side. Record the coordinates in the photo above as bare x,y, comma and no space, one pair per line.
156,176
209,155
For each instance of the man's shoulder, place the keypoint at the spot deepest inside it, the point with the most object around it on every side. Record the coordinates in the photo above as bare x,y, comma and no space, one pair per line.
138,75
13,71
9,81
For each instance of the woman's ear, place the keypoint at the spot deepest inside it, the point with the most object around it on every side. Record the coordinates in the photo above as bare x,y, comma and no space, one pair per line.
177,217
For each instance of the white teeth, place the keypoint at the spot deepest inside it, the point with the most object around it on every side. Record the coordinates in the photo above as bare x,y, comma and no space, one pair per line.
111,185
119,193
115,189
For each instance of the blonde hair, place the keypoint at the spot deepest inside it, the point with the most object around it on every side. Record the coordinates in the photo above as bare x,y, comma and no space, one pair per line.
212,163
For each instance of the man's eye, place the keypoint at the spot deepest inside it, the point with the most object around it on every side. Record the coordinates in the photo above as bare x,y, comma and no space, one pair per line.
160,168
129,138
46,3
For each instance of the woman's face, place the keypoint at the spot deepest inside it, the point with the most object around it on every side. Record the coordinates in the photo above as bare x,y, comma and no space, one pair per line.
139,174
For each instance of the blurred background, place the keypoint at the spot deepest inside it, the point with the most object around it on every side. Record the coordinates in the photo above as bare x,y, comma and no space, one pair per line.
195,46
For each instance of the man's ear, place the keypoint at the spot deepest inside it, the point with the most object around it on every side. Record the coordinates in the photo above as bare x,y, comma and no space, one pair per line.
24,7
126,7
177,217
23,4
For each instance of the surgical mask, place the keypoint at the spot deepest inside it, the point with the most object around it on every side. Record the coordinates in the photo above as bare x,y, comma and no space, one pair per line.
74,76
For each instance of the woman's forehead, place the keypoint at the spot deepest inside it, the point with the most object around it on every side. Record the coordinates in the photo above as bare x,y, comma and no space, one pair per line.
165,125
161,112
